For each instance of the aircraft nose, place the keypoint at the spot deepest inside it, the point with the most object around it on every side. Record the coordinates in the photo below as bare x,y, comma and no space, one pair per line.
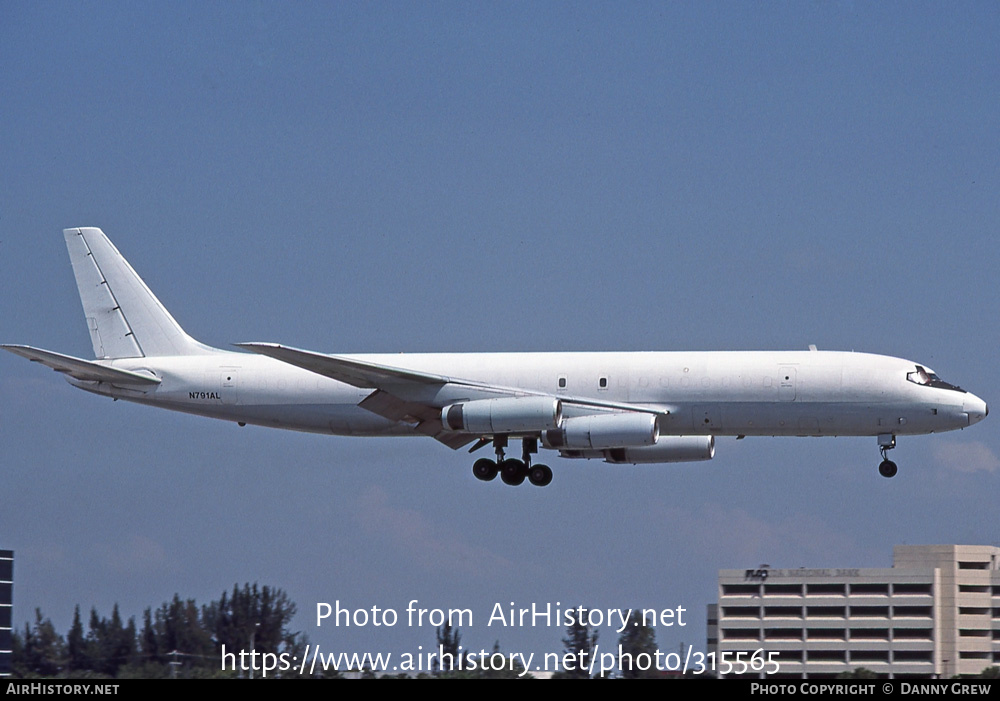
975,408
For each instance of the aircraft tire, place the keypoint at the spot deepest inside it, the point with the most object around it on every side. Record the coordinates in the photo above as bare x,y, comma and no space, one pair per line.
540,475
887,468
485,469
512,472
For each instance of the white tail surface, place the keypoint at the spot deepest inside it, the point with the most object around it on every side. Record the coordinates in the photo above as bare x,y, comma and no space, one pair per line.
124,317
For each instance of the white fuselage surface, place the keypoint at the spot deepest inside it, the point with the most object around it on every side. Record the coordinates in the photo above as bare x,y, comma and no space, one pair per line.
722,393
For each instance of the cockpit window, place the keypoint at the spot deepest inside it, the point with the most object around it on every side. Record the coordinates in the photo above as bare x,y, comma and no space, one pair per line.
921,376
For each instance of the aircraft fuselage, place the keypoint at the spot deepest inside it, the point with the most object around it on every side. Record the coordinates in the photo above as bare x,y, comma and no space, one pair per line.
721,393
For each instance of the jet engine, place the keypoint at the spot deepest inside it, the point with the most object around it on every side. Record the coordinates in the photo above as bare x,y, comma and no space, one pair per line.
505,415
598,431
666,449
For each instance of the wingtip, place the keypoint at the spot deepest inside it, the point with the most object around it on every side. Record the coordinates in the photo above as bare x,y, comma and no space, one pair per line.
16,348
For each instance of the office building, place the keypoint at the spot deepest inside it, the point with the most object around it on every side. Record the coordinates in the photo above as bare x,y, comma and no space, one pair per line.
934,613
6,610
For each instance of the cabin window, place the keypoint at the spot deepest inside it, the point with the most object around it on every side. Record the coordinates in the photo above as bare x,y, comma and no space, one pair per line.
562,383
603,383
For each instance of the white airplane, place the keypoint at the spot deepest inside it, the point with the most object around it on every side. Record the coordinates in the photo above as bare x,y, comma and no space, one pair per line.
648,407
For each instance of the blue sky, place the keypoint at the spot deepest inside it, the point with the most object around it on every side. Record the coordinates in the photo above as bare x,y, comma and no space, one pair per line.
490,177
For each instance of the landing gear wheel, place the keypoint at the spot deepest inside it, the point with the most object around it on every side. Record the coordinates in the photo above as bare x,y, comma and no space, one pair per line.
887,468
540,475
512,472
886,442
485,469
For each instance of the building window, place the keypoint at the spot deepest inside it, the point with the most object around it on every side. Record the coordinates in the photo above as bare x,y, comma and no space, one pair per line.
740,612
870,611
740,634
783,612
973,611
869,633
969,655
825,633
912,634
826,656
912,611
869,655
783,633
826,611
912,656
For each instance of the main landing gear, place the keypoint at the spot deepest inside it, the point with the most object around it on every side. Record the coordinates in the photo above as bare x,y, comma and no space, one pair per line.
886,442
511,471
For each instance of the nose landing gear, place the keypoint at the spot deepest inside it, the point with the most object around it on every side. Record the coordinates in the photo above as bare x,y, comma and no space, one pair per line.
886,442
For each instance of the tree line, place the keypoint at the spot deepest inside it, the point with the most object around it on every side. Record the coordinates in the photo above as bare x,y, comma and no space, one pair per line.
183,639
179,638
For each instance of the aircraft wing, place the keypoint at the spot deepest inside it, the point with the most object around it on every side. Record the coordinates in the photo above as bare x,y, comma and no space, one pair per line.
81,369
387,382
353,372
382,379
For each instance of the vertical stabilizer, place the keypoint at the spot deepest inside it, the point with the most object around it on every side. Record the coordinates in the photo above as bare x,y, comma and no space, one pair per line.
125,319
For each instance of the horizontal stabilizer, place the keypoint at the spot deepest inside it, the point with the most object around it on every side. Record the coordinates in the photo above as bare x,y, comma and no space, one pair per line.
80,369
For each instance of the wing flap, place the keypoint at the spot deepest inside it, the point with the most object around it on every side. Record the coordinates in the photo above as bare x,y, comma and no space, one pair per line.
426,418
454,440
395,409
80,369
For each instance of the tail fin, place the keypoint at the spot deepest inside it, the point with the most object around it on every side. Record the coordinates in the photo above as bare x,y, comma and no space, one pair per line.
125,319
